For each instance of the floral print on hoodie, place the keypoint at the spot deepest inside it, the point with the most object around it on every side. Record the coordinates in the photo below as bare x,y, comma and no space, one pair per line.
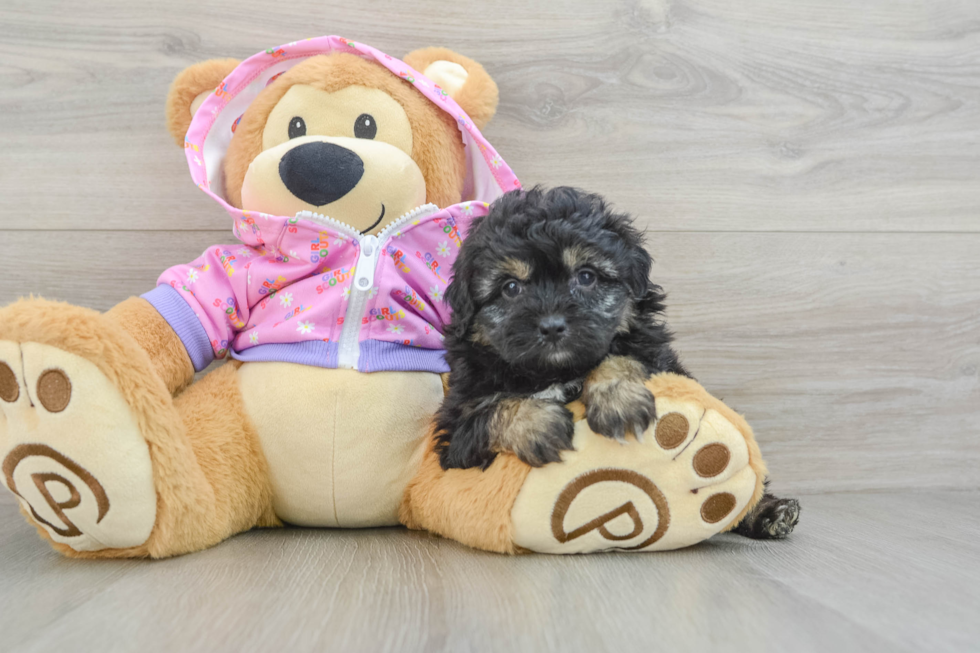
309,290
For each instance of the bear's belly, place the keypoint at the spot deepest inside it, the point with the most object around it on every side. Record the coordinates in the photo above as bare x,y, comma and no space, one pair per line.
341,445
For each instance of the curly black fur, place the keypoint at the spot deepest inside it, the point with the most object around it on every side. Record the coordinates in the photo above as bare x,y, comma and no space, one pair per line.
493,344
507,377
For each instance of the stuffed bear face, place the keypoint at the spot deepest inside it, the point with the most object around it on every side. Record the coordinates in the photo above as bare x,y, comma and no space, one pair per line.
360,135
344,137
344,151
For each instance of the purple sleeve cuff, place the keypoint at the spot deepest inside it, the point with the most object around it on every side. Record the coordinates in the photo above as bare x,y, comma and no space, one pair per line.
185,324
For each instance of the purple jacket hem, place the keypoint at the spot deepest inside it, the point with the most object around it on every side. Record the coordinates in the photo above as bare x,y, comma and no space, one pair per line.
181,318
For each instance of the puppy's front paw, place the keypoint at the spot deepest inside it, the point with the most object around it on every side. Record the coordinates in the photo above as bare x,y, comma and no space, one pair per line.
535,430
617,400
467,448
621,407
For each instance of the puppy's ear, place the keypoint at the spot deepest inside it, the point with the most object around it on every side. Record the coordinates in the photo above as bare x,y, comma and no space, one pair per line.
460,300
464,79
189,90
636,271
459,297
638,278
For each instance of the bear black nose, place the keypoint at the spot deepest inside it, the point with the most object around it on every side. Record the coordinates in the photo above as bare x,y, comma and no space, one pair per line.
320,173
553,327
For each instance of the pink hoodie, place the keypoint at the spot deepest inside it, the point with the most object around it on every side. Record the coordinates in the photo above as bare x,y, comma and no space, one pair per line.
307,289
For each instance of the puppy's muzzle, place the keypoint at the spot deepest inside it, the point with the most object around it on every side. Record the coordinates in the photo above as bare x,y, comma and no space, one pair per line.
320,173
553,328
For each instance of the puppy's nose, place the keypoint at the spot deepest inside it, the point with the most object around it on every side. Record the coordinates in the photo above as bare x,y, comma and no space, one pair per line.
553,327
320,173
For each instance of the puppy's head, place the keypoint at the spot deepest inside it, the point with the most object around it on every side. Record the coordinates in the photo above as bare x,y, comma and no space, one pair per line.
547,279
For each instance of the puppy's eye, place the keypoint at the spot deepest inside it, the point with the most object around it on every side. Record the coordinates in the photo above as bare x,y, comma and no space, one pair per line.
512,289
585,277
297,127
365,126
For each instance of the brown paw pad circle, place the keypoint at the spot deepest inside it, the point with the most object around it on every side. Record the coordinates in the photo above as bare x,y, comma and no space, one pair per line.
672,430
717,507
9,390
54,390
711,460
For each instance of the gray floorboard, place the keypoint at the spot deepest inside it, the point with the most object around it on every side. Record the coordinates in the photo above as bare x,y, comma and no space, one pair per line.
863,572
807,172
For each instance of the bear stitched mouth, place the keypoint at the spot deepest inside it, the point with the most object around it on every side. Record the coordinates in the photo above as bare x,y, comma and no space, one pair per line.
376,222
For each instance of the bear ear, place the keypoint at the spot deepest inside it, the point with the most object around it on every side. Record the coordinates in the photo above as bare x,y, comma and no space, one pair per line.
464,79
189,90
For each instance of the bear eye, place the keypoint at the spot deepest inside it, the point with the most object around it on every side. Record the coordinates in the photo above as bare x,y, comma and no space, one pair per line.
585,277
512,289
297,127
365,126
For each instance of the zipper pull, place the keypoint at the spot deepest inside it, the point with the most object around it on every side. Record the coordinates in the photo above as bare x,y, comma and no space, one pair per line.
366,262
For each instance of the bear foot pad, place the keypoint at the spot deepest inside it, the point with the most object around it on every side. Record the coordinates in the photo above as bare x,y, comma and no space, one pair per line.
688,478
71,450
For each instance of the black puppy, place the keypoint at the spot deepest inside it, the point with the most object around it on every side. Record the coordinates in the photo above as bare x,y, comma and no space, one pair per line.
551,300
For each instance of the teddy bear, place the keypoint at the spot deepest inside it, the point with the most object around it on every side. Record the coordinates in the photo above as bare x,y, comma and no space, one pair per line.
350,178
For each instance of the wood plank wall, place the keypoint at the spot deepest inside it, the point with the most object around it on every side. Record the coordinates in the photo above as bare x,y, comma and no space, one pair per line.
808,173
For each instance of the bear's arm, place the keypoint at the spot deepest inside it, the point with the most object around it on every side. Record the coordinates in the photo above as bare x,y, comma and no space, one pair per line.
205,303
158,339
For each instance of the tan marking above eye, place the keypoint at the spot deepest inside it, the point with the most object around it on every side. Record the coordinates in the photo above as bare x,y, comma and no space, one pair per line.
334,115
576,257
516,268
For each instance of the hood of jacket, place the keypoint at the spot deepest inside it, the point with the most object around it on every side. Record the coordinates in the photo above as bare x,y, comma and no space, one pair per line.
308,289
214,123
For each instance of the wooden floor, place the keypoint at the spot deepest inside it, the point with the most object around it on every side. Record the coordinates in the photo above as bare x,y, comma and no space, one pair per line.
808,173
867,572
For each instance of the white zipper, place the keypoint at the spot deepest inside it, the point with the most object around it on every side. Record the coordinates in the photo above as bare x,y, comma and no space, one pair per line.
319,218
369,253
417,213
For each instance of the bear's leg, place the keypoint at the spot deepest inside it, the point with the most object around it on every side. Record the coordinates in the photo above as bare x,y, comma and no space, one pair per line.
102,460
696,472
237,492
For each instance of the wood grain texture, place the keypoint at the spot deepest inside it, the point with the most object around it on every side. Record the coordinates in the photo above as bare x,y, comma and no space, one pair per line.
865,572
856,357
709,115
808,173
